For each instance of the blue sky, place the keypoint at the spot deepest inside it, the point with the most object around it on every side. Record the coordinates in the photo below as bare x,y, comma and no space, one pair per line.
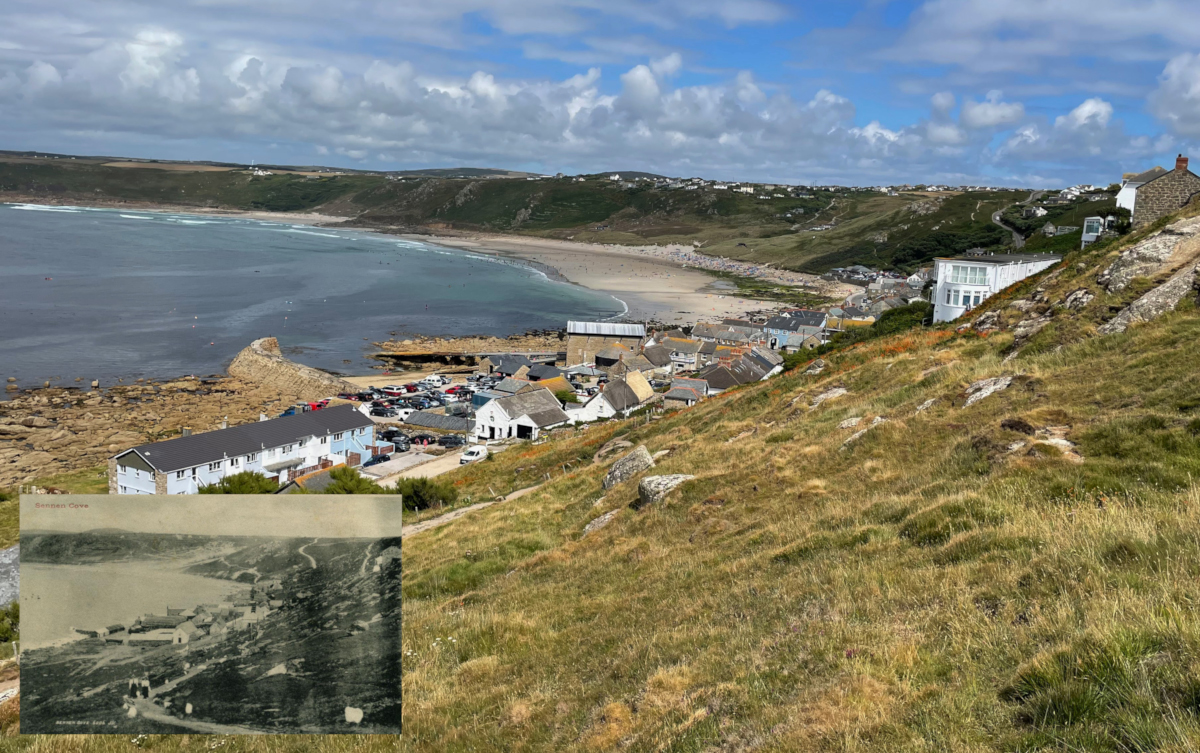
1023,92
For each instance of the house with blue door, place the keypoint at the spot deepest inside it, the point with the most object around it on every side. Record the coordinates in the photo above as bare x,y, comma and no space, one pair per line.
279,448
794,322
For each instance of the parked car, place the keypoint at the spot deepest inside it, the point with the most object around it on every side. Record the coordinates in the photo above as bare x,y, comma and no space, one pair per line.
395,390
478,452
348,396
402,444
393,435
438,379
424,439
451,440
384,412
381,458
457,389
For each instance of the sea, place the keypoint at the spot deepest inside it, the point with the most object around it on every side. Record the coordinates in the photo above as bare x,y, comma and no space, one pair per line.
112,293
57,598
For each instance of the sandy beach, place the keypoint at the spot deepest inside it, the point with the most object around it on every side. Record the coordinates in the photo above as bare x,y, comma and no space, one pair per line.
654,286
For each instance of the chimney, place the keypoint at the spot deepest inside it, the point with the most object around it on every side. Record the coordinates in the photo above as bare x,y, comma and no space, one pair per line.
1181,162
187,431
225,422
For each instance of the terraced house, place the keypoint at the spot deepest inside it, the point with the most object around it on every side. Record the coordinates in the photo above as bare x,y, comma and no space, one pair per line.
280,448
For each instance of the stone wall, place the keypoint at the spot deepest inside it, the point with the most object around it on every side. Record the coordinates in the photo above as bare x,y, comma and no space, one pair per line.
1164,195
263,363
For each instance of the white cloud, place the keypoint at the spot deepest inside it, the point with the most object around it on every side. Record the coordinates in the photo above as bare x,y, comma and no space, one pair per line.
41,75
1176,101
667,66
1093,113
992,112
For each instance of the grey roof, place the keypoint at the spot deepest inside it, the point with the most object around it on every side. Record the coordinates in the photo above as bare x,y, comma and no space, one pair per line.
1003,258
657,355
544,371
719,378
682,393
708,348
792,321
620,395
691,384
317,482
761,361
1148,176
745,371
542,407
584,371
509,386
769,356
606,328
210,446
428,419
509,363
688,346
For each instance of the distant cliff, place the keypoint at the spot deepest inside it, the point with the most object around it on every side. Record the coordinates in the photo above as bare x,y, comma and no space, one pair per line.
263,363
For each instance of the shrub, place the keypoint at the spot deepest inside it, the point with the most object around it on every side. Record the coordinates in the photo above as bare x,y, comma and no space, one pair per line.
246,482
424,493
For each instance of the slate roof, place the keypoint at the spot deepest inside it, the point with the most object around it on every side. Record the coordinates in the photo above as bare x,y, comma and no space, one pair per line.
657,355
428,419
699,385
682,393
1149,175
543,371
210,446
769,356
509,386
681,345
793,320
719,378
620,395
557,384
708,348
541,407
1002,258
613,352
613,329
508,364
746,371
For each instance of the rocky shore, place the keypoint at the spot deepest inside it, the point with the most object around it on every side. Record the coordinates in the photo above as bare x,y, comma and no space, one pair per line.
531,341
55,430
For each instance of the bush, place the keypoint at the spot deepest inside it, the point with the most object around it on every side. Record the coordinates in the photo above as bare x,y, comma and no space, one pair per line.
566,396
10,622
889,323
347,480
246,482
424,493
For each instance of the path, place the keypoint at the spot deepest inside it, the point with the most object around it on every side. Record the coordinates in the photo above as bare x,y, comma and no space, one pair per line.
1018,239
149,710
306,554
441,520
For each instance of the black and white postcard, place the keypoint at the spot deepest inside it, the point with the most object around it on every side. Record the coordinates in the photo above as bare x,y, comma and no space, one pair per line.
221,614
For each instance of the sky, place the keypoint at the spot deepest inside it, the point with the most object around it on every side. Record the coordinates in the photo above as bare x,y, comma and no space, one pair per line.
1042,93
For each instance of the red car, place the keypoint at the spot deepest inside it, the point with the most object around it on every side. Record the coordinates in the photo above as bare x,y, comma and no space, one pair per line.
411,387
456,389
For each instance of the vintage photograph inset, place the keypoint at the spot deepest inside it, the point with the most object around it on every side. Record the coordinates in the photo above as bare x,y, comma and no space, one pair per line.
219,614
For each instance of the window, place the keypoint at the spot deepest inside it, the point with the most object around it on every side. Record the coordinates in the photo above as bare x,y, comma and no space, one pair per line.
287,448
954,298
947,296
324,440
302,442
180,474
252,457
234,462
978,297
124,490
338,437
214,466
969,275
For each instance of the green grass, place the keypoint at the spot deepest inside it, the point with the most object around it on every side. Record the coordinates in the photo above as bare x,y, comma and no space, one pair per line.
87,481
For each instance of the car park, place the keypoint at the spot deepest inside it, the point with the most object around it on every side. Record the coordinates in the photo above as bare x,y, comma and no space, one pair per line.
478,452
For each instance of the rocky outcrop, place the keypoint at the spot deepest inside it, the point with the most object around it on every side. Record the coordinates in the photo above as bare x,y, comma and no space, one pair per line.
1078,299
653,489
1157,302
600,522
986,387
263,363
628,467
9,582
832,394
859,434
1175,243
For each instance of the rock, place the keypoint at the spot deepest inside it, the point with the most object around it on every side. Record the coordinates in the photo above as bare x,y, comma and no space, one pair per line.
35,422
850,423
95,384
1079,299
278,669
600,522
832,394
1017,425
926,405
1155,303
985,387
987,322
653,489
14,430
1027,328
12,379
1022,305
628,467
353,715
816,367
858,434
1147,257
610,447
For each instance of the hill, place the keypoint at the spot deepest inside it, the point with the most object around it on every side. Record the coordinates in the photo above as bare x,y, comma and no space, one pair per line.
801,229
988,541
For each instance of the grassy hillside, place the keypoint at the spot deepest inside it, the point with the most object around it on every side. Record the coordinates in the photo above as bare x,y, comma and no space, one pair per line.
863,227
1014,574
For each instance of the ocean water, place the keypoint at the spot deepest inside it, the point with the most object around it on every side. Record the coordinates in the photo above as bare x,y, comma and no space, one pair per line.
103,293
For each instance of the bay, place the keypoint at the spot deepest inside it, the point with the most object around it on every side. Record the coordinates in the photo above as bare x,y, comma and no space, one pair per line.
107,293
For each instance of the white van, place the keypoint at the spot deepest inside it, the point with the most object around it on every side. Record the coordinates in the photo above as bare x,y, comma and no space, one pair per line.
478,452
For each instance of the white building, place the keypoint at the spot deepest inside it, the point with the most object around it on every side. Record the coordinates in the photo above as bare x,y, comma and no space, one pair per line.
522,416
1131,182
964,282
619,398
274,448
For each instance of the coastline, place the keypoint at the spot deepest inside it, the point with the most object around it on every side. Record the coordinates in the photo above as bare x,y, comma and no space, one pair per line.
653,283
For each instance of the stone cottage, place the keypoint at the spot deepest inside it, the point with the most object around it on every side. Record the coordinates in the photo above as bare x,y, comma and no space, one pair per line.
1166,193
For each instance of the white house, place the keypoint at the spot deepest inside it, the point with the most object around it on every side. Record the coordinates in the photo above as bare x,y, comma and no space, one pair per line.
620,397
523,416
1131,182
274,448
963,282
